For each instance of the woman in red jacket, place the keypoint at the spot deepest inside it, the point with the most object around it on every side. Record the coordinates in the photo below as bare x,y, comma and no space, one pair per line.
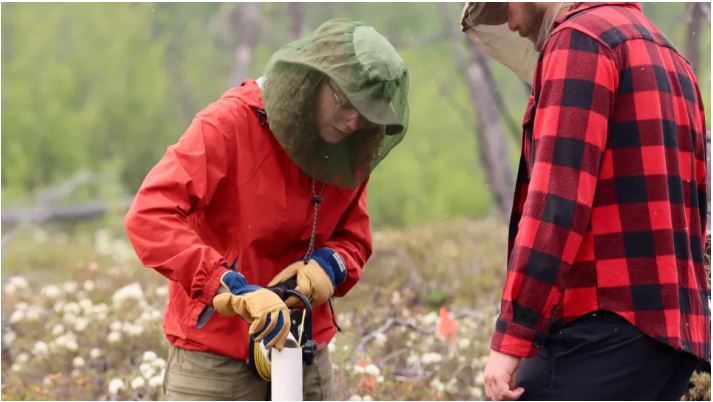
269,183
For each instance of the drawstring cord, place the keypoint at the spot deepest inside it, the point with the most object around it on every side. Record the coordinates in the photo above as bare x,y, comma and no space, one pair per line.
334,315
316,201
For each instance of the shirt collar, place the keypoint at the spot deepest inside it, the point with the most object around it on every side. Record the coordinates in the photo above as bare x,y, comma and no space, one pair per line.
585,6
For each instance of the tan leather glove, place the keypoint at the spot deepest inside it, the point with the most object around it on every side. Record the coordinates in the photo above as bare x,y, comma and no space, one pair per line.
263,309
312,281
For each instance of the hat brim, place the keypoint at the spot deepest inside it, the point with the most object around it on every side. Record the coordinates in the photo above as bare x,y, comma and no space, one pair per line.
379,112
481,13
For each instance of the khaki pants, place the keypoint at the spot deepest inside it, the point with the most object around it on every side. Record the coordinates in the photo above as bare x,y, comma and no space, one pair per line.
194,375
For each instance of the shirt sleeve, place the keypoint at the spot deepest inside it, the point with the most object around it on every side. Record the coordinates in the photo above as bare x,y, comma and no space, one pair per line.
574,90
352,240
157,223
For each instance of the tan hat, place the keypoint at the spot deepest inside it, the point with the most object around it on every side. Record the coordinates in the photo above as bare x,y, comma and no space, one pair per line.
486,24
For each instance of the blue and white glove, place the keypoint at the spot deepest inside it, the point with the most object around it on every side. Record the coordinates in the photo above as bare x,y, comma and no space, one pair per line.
264,310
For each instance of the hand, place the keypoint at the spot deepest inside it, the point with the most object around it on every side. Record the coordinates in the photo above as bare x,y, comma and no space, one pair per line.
499,377
312,281
265,311
316,279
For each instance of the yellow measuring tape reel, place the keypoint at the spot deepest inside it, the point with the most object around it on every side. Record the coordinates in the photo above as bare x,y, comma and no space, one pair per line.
259,357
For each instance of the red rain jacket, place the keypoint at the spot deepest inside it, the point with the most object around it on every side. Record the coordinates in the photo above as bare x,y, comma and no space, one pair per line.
226,191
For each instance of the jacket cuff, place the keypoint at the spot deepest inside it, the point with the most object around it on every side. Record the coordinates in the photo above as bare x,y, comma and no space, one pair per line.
332,263
212,285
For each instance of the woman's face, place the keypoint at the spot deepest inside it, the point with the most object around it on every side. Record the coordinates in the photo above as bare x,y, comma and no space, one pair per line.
336,117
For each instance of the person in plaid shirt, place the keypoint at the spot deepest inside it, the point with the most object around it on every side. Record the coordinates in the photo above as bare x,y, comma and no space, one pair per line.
606,295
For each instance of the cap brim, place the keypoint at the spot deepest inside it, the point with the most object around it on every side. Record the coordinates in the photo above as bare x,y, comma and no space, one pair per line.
379,112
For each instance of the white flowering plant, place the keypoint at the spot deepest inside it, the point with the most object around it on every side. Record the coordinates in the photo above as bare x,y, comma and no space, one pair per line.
416,327
90,331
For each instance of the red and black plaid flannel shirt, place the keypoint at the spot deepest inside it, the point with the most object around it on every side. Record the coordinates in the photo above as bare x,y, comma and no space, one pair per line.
610,204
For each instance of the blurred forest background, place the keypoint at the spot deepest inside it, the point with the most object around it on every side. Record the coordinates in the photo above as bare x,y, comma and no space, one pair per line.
96,92
93,94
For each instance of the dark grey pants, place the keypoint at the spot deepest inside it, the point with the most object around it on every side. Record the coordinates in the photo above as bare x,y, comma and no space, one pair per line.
600,356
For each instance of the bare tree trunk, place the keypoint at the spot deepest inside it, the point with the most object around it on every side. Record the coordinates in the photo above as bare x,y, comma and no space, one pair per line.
245,18
298,28
694,16
489,129
706,10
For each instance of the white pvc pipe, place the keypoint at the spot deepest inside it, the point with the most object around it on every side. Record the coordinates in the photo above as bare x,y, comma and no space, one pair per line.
286,371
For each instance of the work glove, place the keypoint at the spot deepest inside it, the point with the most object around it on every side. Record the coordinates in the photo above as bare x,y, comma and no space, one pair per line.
264,310
316,279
